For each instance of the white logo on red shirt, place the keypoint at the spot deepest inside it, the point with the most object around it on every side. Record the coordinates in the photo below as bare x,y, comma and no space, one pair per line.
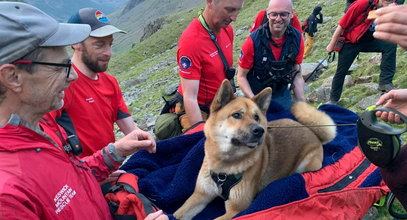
63,198
213,54
90,100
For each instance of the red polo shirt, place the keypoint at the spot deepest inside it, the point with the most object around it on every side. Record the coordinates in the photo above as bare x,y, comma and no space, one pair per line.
198,58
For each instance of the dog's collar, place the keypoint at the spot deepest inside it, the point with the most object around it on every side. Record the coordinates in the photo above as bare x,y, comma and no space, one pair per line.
225,182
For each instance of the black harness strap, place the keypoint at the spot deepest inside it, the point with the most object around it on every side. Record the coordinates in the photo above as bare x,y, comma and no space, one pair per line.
225,182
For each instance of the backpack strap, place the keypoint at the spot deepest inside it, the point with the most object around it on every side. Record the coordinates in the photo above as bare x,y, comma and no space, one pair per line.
116,195
265,19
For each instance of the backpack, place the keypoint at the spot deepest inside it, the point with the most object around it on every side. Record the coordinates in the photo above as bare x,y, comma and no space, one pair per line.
125,201
167,125
304,25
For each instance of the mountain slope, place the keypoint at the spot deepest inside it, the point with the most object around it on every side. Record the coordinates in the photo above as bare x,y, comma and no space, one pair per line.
62,9
138,14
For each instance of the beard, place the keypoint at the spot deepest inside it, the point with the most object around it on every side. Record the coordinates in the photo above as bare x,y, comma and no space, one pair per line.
92,64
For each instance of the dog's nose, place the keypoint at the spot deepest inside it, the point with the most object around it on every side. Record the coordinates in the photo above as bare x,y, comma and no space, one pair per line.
257,131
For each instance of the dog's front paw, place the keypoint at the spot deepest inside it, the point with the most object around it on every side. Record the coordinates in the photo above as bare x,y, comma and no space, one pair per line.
178,214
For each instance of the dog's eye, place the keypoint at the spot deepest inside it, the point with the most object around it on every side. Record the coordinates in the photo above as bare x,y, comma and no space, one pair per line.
256,117
237,115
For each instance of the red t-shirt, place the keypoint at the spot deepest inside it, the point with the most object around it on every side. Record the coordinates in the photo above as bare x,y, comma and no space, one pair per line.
354,16
258,21
93,106
198,58
246,59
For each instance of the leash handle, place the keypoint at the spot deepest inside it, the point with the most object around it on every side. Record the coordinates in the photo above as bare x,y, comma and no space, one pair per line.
331,57
369,119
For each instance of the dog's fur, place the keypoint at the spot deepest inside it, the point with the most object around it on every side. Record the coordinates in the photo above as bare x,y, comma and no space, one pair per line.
238,141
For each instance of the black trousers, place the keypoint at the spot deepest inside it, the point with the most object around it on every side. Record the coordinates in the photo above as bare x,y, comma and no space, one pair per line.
348,55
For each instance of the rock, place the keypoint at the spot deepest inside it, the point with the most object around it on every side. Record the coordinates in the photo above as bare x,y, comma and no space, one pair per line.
171,89
327,19
353,67
368,101
307,68
319,95
148,103
151,28
364,79
348,81
371,214
376,59
327,82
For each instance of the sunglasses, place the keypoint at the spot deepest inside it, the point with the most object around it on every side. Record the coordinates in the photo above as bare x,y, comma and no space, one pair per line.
67,65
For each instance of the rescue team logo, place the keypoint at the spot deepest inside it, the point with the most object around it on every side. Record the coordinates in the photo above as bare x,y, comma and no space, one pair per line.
185,62
63,198
101,17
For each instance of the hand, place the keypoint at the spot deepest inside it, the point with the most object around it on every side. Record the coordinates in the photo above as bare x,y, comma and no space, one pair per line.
395,99
159,215
329,48
113,177
392,25
135,141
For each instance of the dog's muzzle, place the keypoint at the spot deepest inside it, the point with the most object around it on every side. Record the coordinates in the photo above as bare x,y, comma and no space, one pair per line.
251,139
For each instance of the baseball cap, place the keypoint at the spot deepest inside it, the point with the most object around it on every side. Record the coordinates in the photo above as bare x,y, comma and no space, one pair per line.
99,23
23,28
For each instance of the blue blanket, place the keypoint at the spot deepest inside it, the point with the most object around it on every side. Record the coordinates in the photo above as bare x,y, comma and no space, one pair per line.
168,176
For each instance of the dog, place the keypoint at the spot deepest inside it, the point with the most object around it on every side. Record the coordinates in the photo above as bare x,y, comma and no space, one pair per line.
244,152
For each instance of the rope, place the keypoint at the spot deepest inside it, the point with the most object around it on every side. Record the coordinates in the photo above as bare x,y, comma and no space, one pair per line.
308,126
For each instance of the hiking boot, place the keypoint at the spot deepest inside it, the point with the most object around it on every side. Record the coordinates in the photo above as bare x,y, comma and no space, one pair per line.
386,87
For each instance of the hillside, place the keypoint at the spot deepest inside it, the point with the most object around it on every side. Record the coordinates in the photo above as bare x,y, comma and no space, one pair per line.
137,15
149,68
62,10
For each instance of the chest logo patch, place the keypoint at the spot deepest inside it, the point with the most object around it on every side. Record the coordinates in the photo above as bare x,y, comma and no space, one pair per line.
241,54
185,62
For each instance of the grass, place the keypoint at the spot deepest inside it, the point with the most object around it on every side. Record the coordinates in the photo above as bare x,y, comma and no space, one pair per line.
151,65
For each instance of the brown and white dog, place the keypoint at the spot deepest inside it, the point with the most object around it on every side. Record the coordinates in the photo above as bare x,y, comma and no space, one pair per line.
242,156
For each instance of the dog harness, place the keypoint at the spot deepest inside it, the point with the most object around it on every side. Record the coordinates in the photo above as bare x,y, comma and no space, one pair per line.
225,182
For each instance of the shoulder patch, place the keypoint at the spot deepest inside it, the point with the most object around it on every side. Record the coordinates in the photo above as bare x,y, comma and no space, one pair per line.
185,62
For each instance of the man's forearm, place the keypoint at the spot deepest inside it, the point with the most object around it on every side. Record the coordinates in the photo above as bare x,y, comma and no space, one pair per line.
244,83
193,111
299,84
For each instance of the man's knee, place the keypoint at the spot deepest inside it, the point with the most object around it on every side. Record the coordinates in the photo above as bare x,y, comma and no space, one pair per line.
388,47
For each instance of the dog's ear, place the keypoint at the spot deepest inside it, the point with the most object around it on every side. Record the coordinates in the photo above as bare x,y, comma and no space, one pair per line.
263,99
223,96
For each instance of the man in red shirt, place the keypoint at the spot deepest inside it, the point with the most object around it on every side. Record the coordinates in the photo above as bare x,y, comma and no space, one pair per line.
94,102
40,177
201,68
358,30
271,57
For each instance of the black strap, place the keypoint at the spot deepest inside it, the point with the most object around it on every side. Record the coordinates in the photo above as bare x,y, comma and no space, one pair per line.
213,38
390,199
226,182
227,69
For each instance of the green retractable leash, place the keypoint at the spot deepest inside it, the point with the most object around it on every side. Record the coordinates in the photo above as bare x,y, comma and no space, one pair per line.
379,142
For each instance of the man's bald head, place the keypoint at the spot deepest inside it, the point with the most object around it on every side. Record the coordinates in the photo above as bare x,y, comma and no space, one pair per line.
288,4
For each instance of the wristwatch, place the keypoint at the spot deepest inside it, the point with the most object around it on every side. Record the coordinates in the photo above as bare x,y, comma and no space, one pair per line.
112,151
